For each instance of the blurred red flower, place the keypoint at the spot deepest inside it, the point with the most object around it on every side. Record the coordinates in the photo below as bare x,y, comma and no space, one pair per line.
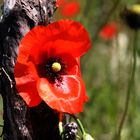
59,2
48,66
69,9
108,31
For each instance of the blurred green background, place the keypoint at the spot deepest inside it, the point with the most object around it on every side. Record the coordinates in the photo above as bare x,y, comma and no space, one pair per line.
106,71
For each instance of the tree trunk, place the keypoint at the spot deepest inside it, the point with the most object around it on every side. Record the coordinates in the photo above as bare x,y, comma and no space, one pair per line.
20,121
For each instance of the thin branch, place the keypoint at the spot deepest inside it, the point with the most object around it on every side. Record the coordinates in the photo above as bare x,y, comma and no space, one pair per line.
8,77
130,86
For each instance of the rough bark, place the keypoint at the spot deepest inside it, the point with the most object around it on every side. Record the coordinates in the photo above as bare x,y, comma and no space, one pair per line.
20,121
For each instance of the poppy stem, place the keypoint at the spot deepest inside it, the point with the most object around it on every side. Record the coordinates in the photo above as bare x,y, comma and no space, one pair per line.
60,127
130,86
79,124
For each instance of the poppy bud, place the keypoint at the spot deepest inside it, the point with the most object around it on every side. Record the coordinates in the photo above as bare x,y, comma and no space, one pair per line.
87,136
132,16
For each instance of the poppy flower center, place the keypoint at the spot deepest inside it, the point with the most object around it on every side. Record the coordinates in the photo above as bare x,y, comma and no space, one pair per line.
56,67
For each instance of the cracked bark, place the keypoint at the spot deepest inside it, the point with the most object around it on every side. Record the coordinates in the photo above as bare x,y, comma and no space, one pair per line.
20,121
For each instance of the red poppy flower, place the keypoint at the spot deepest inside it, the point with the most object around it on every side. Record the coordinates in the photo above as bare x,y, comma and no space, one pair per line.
69,9
48,66
108,31
59,2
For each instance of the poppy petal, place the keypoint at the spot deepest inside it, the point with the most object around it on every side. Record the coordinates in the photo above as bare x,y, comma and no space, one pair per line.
65,96
30,47
64,36
26,77
78,72
108,31
29,94
72,64
59,2
68,37
70,9
25,73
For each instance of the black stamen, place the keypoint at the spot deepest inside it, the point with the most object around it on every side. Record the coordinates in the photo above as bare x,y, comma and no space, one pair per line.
50,74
